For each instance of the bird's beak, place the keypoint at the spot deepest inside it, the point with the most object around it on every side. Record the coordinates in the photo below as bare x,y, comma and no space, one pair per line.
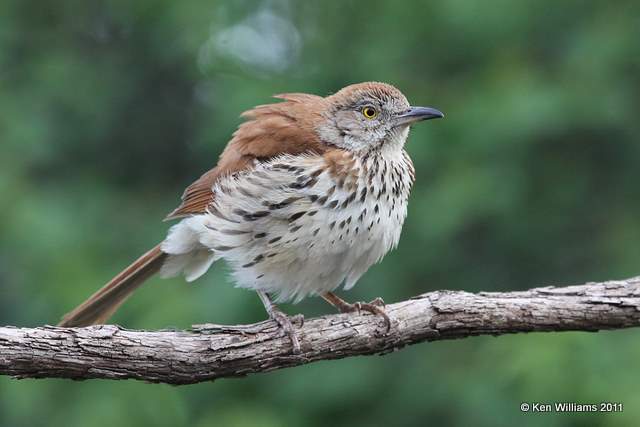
416,114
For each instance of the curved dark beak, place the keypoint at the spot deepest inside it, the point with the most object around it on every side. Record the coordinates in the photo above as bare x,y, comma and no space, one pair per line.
416,114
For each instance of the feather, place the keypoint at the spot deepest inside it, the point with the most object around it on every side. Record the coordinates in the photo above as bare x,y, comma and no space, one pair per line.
102,304
271,130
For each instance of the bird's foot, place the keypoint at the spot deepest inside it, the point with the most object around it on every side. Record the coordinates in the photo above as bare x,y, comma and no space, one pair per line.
375,307
284,322
286,326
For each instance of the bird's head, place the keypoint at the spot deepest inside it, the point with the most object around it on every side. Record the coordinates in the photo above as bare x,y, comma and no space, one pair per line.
359,118
367,116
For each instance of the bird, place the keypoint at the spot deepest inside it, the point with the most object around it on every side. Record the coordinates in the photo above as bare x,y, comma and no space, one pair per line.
308,194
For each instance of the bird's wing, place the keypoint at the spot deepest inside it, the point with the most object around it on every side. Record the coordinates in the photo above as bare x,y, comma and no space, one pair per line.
270,130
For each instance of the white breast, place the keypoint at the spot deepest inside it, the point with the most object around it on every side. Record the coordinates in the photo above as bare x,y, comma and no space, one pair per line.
291,228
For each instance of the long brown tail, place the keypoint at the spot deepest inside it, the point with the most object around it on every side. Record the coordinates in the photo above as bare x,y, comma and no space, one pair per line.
101,305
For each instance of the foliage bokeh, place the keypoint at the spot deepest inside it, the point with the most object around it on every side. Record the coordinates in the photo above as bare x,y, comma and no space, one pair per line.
109,109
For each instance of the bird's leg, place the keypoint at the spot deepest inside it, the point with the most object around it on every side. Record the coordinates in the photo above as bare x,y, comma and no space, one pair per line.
375,307
282,320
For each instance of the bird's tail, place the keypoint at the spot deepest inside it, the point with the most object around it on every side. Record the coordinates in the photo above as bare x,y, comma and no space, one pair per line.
101,305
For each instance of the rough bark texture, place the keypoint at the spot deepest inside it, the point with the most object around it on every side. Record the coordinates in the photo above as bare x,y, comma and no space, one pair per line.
215,351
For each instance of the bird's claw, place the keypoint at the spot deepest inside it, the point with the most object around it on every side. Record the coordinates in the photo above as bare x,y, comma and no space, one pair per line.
375,307
286,327
378,302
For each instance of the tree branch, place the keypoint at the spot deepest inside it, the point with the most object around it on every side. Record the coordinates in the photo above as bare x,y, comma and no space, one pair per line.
215,351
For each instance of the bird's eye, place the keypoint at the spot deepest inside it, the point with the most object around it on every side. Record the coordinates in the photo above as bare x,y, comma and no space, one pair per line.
369,112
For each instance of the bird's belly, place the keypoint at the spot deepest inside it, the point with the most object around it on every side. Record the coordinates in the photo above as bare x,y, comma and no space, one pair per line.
329,248
293,229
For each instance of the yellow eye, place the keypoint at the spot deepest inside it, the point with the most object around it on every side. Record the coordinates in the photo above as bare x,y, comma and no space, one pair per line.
369,112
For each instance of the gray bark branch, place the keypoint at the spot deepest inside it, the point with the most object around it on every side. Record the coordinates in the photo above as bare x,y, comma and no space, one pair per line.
208,352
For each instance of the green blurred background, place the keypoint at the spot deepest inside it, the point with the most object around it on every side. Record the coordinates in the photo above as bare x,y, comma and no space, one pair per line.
109,109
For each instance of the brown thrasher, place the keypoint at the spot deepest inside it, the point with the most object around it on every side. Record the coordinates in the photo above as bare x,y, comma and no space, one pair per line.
307,195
